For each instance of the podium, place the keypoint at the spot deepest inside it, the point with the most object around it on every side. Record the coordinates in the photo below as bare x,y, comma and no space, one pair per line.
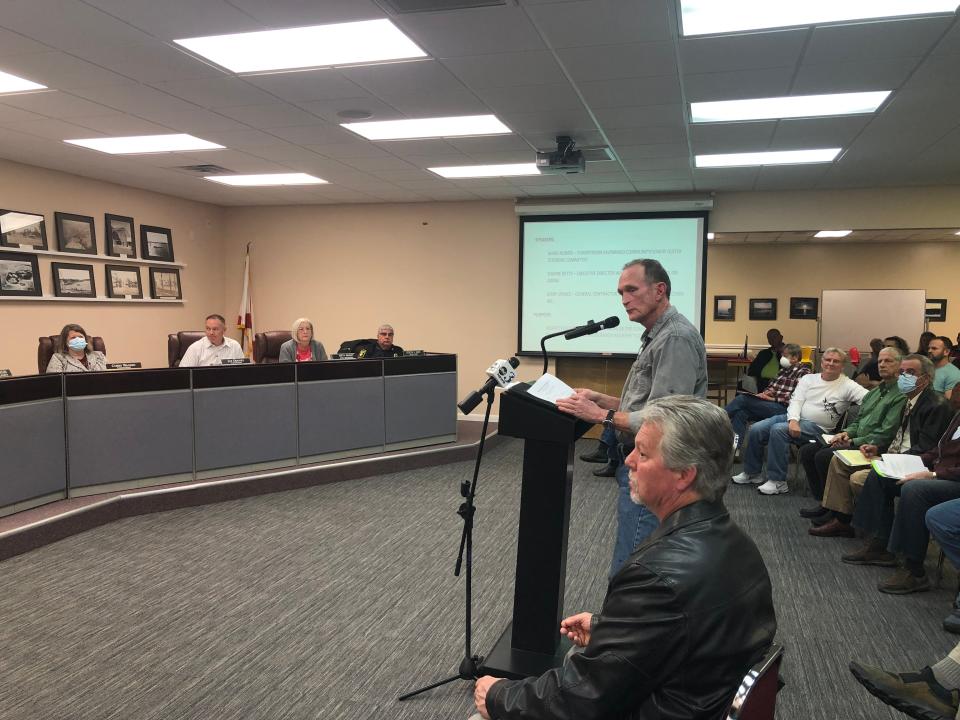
531,643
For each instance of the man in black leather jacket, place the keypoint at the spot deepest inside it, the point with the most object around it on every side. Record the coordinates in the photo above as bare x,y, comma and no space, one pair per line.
686,617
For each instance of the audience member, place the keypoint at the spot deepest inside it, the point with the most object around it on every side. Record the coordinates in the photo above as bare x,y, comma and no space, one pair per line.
302,347
214,348
931,694
74,352
924,344
943,522
689,613
948,375
895,341
766,365
817,405
383,347
868,374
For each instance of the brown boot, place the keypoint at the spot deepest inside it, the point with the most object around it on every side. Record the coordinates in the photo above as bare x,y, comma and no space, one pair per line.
919,695
904,582
873,553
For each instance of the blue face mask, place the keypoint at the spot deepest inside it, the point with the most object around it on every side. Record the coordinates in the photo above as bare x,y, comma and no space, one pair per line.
78,344
907,383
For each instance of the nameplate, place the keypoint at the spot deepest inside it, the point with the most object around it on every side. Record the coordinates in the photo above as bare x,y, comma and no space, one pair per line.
343,356
412,353
124,366
5,372
235,361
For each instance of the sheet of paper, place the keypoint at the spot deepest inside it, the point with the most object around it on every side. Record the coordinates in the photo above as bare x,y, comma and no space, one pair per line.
898,465
550,388
828,438
853,458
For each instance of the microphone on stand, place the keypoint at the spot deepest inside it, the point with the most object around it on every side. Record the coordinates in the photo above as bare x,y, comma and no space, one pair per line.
592,327
501,374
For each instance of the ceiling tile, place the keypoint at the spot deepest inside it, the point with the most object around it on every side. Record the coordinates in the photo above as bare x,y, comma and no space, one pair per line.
150,61
631,92
10,114
298,13
52,129
59,71
602,22
403,78
308,85
505,69
177,19
68,25
426,104
271,116
863,42
884,74
531,98
818,132
667,134
215,92
12,43
476,31
558,122
741,52
651,164
639,117
328,109
619,61
120,124
493,143
664,150
737,84
315,134
58,105
731,137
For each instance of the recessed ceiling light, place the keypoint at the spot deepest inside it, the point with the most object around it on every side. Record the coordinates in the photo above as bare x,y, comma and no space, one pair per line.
779,157
12,84
352,43
833,233
957,233
144,144
702,17
482,171
710,236
266,179
798,106
461,126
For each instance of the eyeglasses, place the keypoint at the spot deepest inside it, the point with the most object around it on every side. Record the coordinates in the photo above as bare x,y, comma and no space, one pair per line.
909,372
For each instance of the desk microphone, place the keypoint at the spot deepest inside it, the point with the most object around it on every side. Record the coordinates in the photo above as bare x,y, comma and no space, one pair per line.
501,374
591,327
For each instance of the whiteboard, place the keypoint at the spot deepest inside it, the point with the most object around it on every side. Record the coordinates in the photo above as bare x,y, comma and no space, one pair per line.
851,318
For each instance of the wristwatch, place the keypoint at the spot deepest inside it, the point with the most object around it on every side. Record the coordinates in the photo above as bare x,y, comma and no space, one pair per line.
608,420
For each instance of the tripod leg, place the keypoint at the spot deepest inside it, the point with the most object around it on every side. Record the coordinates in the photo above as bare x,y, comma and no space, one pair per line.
429,687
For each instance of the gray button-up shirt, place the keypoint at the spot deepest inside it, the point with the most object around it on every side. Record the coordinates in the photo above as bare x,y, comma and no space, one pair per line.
672,361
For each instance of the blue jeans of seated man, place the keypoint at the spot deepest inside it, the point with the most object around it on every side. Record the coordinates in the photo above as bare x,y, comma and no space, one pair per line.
609,438
744,408
943,521
634,522
773,436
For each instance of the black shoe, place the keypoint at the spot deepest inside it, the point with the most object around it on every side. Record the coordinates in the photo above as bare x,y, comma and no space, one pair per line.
608,470
597,456
821,519
812,512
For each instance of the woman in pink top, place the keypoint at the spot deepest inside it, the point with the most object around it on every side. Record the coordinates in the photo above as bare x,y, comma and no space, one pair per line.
302,347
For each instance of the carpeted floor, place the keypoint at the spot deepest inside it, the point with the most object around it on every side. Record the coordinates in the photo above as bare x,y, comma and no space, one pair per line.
328,602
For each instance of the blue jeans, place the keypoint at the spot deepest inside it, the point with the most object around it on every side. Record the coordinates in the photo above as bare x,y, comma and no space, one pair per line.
634,522
943,521
609,438
746,408
773,435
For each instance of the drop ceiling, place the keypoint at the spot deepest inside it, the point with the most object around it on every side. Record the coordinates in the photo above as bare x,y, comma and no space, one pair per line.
606,72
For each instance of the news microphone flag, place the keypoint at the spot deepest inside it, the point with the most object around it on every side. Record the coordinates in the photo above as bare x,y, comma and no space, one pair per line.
245,316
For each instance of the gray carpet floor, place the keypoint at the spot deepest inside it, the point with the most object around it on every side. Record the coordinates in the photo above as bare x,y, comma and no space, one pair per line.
328,602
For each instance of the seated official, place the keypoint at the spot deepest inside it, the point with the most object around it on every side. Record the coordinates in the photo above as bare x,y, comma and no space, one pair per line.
868,374
382,348
687,615
74,352
214,348
746,408
766,365
948,375
302,347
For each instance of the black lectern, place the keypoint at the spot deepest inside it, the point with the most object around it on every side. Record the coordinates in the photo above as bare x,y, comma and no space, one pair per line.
532,644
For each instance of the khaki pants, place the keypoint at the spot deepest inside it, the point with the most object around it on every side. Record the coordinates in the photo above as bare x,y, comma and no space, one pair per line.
843,485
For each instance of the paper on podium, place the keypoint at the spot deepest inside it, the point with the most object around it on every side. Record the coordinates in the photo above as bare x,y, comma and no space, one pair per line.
550,388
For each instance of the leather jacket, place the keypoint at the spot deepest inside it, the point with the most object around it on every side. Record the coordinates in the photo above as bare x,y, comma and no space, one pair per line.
682,623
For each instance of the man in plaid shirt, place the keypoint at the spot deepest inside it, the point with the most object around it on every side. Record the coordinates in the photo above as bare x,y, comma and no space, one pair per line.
747,407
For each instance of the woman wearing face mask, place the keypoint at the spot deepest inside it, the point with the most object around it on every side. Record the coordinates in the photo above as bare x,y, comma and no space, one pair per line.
75,352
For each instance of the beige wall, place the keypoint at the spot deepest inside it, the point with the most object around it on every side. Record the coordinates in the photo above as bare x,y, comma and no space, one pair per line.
131,332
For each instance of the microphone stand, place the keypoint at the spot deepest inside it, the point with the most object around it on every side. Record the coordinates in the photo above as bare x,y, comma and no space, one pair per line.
468,669
543,347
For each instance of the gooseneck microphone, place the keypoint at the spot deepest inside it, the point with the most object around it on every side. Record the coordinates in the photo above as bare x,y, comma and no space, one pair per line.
592,327
501,374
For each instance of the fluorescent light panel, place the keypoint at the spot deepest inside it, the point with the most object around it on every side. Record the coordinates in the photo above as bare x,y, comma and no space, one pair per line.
485,171
13,84
781,157
266,180
703,17
144,144
367,41
833,233
798,106
439,127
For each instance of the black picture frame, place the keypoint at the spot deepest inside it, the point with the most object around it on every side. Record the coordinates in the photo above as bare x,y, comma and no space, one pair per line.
156,243
936,310
73,280
804,308
16,230
763,309
119,236
725,308
118,279
165,284
20,275
76,234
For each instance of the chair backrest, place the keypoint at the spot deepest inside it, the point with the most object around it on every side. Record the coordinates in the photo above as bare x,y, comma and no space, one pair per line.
352,346
47,346
266,345
178,342
756,698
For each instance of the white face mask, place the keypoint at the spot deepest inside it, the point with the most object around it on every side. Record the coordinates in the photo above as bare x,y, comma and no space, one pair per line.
784,362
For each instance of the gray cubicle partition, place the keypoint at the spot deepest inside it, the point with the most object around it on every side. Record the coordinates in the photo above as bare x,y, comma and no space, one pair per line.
244,418
420,400
31,442
340,406
128,429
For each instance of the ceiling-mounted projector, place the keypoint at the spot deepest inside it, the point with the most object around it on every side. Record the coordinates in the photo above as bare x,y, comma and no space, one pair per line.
565,160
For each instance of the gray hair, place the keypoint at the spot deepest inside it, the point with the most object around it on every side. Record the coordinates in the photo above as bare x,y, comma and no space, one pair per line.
653,272
837,351
793,350
296,326
897,355
926,364
697,434
385,326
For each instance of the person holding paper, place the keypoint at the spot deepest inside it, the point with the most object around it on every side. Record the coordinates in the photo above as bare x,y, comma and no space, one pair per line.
672,361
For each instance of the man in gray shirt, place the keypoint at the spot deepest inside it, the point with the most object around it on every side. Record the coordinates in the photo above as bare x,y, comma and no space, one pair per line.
672,361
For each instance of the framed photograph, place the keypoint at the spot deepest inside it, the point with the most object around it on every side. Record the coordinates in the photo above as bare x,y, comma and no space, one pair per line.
936,310
23,230
118,236
763,308
71,280
724,307
76,234
165,284
804,308
156,243
123,281
19,275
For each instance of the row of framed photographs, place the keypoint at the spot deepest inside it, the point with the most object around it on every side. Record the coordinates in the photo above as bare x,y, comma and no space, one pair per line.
801,308
77,234
20,277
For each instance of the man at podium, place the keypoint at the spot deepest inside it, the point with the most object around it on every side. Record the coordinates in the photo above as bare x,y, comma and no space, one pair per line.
672,361
689,613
